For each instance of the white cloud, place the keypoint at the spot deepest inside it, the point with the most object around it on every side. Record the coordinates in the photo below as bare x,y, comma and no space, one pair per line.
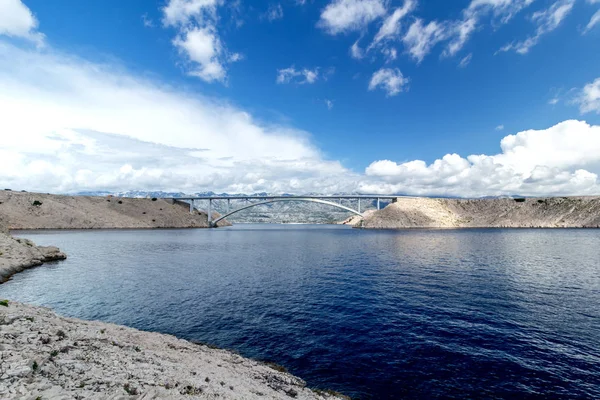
466,60
390,29
420,39
390,80
589,98
553,101
300,76
546,21
203,47
183,12
595,20
341,16
561,160
356,52
198,40
274,12
68,125
500,128
16,20
460,31
147,21
329,104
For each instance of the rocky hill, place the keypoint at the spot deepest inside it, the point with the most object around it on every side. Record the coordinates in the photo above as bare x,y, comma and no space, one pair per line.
552,212
22,210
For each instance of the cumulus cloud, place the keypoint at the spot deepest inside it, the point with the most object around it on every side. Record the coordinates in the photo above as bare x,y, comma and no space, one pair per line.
16,20
341,16
546,20
198,39
561,160
589,98
390,80
299,76
69,125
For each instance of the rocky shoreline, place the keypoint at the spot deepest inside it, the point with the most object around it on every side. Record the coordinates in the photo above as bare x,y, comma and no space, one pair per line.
48,356
18,254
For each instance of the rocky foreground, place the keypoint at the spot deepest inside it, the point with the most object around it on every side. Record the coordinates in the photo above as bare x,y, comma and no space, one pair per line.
19,254
551,212
46,356
23,210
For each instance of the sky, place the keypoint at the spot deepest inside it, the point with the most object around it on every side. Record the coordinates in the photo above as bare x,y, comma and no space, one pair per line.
462,98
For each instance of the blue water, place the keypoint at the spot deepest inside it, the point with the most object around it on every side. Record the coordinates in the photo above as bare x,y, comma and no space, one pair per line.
475,313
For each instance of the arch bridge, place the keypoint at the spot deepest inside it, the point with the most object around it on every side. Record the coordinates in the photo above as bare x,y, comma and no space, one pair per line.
253,201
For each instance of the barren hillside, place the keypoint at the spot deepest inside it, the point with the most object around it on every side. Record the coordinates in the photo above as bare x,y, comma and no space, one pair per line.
553,212
24,210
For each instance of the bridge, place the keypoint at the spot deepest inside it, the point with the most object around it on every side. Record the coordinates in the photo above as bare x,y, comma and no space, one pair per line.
253,201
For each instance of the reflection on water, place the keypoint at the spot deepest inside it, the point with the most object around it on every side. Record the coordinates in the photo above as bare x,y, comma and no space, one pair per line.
374,314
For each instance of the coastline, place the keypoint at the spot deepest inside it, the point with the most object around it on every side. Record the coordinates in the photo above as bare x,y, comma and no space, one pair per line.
45,355
49,356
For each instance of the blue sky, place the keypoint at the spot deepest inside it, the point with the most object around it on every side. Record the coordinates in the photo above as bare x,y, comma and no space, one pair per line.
336,95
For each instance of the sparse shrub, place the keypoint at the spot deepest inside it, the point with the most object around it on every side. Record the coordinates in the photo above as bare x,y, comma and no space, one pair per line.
4,303
36,203
108,200
30,319
540,201
102,330
154,199
275,366
23,191
61,334
153,220
207,379
520,200
292,393
130,389
35,366
8,190
137,349
144,212
54,353
45,340
191,390
120,201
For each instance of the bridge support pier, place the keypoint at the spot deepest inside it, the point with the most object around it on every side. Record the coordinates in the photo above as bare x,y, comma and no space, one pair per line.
378,207
191,206
359,204
209,214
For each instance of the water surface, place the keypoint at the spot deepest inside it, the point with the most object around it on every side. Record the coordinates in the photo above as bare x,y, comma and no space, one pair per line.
373,314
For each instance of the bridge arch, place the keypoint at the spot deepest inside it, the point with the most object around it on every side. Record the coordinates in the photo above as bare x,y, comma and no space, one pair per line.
329,203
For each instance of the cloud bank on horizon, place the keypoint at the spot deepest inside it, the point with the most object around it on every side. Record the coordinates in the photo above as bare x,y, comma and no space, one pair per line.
69,124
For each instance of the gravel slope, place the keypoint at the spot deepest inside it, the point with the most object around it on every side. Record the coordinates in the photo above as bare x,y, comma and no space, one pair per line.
553,212
24,210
